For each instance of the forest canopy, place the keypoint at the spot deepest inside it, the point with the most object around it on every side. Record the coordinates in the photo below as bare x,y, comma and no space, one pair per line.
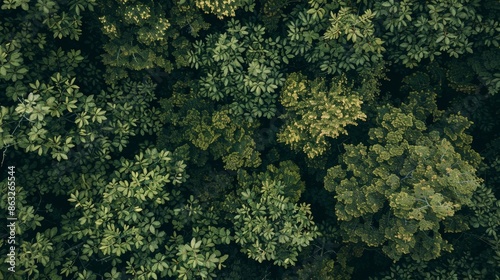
250,139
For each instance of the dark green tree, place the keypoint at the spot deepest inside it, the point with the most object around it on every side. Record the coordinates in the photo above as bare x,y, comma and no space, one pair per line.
191,119
242,67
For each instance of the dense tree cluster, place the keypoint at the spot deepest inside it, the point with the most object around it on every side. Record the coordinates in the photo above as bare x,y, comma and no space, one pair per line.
250,139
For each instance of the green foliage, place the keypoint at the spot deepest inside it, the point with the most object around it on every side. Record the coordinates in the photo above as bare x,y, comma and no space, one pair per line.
55,117
30,41
343,36
409,182
243,68
61,18
10,62
463,266
272,12
98,195
486,221
137,34
336,42
270,227
415,30
347,27
314,113
490,171
463,75
486,66
222,8
321,270
45,111
122,218
146,35
29,218
198,123
286,172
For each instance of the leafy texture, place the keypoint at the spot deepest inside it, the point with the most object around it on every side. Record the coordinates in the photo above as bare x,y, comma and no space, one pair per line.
270,227
242,67
168,140
408,183
314,114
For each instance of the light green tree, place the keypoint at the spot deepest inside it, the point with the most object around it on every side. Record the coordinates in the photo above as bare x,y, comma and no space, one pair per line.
408,182
315,113
270,227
